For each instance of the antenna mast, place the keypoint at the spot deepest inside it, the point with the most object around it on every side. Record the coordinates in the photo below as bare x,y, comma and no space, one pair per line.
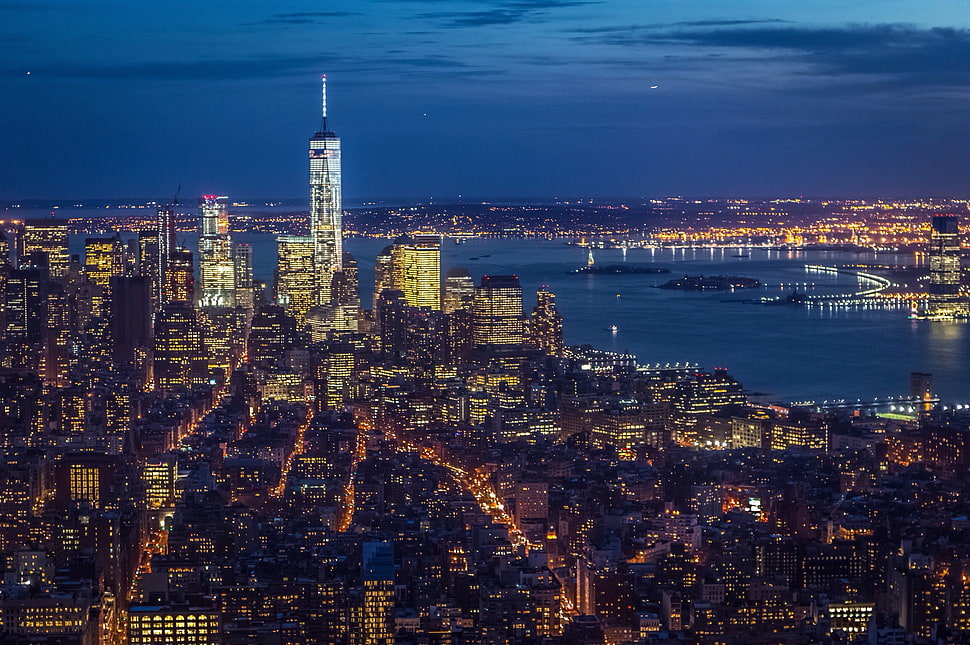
324,103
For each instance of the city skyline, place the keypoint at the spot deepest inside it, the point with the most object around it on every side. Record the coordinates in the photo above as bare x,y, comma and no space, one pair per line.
724,99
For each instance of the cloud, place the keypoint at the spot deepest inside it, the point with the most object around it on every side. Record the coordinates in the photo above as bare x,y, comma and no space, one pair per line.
501,13
302,18
910,54
727,23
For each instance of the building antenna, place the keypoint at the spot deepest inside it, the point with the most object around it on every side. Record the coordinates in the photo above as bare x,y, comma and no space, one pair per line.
323,82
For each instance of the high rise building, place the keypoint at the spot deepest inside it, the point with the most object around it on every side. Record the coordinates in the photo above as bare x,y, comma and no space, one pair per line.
180,277
416,269
383,275
243,262
545,326
178,347
296,285
129,324
165,231
45,244
497,311
216,267
149,263
103,258
945,300
272,333
459,289
374,617
326,209
345,287
35,332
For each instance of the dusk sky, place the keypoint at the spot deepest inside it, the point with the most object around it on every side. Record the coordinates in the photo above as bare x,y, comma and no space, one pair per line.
486,98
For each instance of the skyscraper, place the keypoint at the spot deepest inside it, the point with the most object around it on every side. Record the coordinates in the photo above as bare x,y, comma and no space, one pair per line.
180,277
149,263
45,244
165,230
178,347
497,311
216,270
945,300
243,262
545,326
295,277
373,618
459,289
416,269
325,205
103,258
383,275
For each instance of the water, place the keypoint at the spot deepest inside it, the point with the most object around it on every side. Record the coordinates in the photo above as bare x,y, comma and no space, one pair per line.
788,352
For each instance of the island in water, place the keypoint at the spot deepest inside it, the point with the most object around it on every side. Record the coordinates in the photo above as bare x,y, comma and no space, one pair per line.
711,283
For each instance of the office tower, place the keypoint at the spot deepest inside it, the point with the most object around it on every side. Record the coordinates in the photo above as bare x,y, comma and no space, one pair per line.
272,332
945,300
296,285
180,277
497,311
325,205
391,314
178,347
149,263
159,475
129,324
374,617
335,317
345,287
383,275
342,314
223,332
459,290
545,327
45,245
216,267
426,337
243,261
334,383
416,269
165,231
103,258
36,331
459,330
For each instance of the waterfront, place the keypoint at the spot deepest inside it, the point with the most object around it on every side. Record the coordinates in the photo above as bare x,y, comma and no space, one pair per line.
786,352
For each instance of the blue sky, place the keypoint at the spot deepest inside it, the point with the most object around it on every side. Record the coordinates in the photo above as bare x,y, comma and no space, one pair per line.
486,98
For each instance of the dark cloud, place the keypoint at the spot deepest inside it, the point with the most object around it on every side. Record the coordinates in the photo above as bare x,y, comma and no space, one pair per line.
914,55
303,18
501,13
727,23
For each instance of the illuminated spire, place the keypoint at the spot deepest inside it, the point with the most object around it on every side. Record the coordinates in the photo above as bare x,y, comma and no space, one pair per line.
324,104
